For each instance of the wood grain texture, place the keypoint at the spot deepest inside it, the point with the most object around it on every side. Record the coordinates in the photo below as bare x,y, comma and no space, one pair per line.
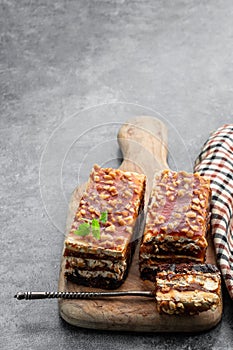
143,141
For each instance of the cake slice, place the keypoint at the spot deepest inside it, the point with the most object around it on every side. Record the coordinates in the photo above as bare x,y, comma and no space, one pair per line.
177,221
99,247
187,288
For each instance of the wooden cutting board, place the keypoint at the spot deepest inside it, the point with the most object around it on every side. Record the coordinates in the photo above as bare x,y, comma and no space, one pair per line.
143,141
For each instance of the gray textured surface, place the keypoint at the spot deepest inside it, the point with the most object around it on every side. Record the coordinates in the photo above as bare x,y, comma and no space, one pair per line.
57,60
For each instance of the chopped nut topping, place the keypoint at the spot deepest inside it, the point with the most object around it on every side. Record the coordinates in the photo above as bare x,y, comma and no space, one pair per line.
108,177
172,225
180,305
127,193
110,228
112,174
162,218
153,215
181,193
187,180
121,222
109,182
113,202
195,207
195,200
195,228
191,214
104,195
190,234
203,204
172,305
169,192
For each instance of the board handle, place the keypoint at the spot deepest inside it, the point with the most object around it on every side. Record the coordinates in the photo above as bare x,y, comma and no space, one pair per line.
143,142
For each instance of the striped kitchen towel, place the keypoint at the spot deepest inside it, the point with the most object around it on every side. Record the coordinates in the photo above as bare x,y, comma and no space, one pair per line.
216,162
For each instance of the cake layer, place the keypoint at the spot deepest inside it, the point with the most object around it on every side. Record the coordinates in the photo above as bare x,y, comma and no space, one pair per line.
120,196
177,220
90,270
187,288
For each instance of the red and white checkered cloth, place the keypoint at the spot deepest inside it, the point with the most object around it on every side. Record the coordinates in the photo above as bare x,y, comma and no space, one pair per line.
216,162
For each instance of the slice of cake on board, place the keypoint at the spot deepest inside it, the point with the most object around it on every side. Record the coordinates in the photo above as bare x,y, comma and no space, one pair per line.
177,221
99,247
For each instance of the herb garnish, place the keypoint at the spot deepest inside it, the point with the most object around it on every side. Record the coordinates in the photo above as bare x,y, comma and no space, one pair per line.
92,226
104,217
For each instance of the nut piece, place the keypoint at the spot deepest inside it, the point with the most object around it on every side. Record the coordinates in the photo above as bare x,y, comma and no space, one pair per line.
108,177
194,227
113,190
109,182
190,234
104,195
127,193
120,220
172,305
110,228
113,174
196,200
180,305
129,229
191,214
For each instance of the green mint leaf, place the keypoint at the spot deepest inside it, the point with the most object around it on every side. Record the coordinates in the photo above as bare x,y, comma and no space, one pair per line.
83,229
95,227
104,217
92,226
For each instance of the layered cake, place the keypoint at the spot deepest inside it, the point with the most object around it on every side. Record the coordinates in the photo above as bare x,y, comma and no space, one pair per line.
187,288
99,247
177,221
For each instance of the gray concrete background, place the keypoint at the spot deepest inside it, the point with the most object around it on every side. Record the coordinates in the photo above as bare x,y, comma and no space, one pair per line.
70,73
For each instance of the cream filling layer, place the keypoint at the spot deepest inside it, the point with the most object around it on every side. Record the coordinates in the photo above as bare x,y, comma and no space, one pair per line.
191,298
82,263
73,244
150,257
91,268
162,241
206,281
103,274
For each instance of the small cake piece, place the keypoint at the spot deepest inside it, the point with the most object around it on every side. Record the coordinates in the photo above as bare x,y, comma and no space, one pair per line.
102,259
187,288
177,221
